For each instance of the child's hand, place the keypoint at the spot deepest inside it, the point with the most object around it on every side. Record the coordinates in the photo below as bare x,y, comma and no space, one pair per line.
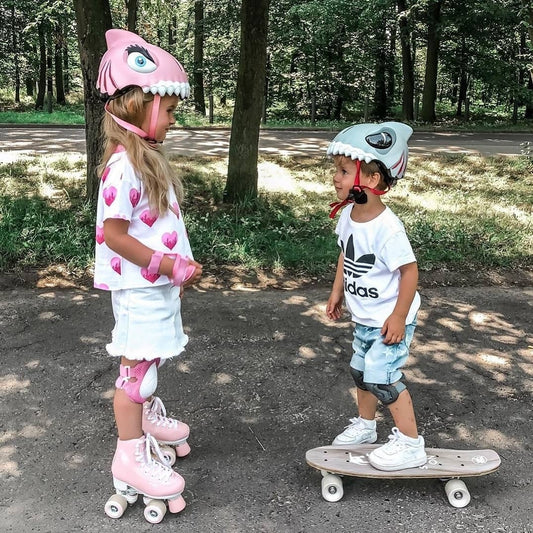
394,329
197,274
334,307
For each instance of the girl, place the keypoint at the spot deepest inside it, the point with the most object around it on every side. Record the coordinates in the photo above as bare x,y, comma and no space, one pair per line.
143,257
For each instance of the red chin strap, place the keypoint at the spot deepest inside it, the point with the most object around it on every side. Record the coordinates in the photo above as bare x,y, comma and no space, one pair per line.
150,136
357,187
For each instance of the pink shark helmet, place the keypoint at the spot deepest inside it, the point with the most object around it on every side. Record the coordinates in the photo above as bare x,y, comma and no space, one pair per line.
132,62
385,143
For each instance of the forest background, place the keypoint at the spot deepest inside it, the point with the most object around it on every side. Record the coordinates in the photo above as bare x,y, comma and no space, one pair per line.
432,63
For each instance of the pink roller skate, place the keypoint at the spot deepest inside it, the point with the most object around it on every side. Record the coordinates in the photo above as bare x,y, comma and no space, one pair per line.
136,471
167,431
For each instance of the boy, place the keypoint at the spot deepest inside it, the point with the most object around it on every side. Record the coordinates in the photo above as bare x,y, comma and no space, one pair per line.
377,275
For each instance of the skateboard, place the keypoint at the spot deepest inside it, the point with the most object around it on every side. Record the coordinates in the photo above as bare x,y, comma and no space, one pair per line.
444,464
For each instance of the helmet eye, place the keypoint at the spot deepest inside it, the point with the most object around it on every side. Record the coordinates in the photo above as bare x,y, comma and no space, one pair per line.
381,140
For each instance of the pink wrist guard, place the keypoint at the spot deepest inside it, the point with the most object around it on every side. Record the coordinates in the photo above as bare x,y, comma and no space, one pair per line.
155,262
181,271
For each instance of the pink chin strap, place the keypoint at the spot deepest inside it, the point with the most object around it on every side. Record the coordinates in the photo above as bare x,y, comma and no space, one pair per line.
357,187
150,136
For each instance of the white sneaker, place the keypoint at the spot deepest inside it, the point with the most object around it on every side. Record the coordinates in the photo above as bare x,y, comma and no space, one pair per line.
358,432
399,453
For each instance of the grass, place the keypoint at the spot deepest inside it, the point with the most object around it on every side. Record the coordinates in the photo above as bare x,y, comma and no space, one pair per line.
462,213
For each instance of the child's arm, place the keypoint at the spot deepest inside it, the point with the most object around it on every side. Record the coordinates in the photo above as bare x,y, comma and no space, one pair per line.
334,305
394,327
120,241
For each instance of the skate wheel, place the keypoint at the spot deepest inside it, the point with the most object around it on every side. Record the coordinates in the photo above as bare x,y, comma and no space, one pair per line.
155,511
170,454
457,493
183,449
115,506
332,490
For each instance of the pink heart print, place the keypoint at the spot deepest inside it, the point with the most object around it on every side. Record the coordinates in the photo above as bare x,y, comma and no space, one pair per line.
105,173
152,278
109,195
99,234
115,265
135,196
148,218
169,239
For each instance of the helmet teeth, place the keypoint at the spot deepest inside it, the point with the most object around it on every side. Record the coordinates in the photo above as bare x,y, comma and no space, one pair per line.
153,89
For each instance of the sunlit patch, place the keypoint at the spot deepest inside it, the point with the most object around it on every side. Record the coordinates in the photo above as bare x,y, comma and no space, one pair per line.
7,466
222,379
108,394
306,352
450,324
279,336
33,364
75,460
478,318
11,383
493,360
183,367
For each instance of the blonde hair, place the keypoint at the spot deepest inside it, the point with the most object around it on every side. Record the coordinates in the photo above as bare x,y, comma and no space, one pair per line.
148,160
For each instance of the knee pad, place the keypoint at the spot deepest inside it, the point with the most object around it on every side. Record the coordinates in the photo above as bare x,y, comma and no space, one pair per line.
357,376
386,394
139,382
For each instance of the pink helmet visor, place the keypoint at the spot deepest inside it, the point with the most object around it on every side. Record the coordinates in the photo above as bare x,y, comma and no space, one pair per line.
131,61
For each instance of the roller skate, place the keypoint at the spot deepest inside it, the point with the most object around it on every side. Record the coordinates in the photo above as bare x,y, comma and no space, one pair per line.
167,431
136,471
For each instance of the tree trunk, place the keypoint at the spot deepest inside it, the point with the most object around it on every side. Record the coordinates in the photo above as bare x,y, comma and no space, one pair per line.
244,142
380,90
429,95
49,77
93,18
132,9
408,89
41,89
60,86
198,75
15,54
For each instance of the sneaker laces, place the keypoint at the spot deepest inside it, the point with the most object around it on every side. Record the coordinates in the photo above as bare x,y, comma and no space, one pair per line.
145,455
355,423
395,444
157,414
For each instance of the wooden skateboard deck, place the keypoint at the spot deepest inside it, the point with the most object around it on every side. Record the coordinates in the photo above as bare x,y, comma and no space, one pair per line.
336,461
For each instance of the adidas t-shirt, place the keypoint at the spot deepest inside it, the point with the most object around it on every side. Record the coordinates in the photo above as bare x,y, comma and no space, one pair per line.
373,252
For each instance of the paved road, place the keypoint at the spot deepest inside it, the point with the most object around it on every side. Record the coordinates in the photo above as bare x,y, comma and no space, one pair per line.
19,141
264,378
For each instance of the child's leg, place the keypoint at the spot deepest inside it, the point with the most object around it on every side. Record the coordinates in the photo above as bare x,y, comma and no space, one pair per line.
128,405
403,413
367,404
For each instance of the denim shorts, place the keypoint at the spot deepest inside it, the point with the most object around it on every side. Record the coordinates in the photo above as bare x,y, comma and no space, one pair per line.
380,363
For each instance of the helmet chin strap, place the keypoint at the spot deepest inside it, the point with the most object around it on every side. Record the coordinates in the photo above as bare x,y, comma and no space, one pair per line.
150,136
357,194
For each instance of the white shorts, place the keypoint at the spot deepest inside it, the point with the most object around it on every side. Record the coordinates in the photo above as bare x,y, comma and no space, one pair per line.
147,323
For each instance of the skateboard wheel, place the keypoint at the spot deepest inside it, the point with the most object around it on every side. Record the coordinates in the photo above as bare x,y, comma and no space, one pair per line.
457,493
332,490
155,511
115,506
169,454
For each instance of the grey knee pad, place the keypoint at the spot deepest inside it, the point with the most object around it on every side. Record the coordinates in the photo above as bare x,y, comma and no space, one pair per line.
357,376
386,394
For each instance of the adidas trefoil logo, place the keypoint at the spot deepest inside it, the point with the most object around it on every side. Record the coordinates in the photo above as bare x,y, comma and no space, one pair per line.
356,268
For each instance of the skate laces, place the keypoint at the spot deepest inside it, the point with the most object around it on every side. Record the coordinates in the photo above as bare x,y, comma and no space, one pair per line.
158,468
157,414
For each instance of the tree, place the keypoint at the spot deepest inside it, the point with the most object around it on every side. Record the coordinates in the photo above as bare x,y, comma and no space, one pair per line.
244,141
198,75
408,86
93,18
429,96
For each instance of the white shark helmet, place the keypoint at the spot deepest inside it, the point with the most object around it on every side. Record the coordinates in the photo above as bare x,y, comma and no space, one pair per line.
384,143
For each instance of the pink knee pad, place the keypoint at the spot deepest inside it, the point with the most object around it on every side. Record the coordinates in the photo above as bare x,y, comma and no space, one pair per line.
145,380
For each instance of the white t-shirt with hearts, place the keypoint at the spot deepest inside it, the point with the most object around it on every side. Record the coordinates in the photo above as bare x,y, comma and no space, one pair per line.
373,253
122,195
